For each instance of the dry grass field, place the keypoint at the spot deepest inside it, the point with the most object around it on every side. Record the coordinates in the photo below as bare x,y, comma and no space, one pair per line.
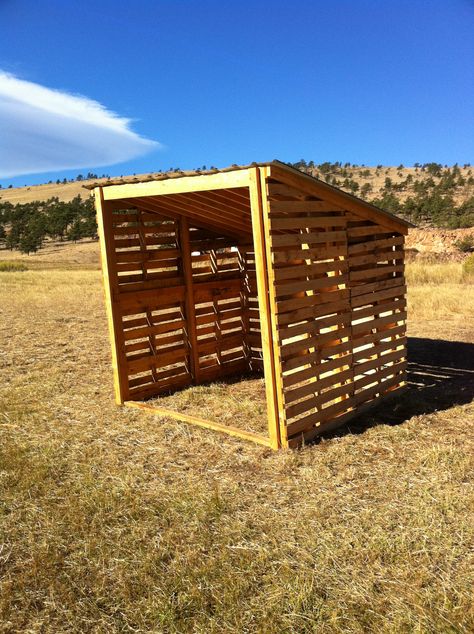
115,521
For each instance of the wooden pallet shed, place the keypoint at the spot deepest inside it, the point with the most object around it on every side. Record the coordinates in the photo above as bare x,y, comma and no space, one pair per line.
255,268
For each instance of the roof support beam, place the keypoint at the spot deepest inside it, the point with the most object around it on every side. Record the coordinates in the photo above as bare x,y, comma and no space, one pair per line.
179,185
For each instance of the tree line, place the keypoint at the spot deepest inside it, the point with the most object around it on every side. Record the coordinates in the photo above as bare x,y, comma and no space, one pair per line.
25,226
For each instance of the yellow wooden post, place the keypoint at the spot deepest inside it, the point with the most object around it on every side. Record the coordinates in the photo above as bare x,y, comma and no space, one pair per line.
109,273
272,305
261,268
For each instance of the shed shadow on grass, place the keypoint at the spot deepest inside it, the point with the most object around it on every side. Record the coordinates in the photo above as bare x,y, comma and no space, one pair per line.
440,376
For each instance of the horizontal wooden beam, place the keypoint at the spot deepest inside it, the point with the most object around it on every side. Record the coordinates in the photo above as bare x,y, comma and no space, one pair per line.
179,185
200,422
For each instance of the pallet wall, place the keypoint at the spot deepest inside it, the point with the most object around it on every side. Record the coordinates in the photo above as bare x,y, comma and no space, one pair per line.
339,310
173,326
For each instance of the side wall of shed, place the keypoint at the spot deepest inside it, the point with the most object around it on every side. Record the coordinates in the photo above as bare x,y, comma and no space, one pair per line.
340,309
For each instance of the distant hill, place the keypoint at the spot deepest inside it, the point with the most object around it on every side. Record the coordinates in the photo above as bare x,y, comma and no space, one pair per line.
430,194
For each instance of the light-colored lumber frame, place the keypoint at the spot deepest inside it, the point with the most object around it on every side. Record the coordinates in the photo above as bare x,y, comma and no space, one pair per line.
109,274
272,233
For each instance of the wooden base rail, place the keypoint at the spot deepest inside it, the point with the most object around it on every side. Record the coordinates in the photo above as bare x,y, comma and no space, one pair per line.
200,422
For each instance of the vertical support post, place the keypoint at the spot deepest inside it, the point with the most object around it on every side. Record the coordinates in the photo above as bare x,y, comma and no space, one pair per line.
244,303
261,268
111,289
267,238
185,248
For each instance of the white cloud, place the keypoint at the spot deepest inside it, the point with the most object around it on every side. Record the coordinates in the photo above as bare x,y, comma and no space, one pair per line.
44,130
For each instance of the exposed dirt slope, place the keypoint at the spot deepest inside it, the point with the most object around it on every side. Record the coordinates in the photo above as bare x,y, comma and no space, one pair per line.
438,242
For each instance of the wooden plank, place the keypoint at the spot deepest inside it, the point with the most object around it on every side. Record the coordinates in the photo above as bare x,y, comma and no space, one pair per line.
312,300
378,362
317,384
305,222
301,206
160,284
198,214
110,281
366,326
206,291
359,232
311,325
374,272
362,289
162,207
378,376
153,388
378,309
373,297
364,340
298,286
200,422
302,270
269,246
375,245
149,331
176,355
182,184
309,372
278,189
233,366
262,264
225,342
189,297
320,254
149,299
318,400
151,255
314,341
377,348
294,239
378,256
313,312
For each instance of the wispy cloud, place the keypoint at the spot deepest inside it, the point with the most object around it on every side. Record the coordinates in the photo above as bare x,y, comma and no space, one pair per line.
44,130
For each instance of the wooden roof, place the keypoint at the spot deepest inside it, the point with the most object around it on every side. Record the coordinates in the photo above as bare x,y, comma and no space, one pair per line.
218,197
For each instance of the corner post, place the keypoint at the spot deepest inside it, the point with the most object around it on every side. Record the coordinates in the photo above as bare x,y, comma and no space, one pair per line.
261,267
111,290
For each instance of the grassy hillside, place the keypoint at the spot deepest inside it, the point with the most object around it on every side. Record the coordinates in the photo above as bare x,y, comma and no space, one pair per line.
429,194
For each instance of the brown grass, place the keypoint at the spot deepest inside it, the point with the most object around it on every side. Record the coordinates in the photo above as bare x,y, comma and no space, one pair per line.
60,255
115,521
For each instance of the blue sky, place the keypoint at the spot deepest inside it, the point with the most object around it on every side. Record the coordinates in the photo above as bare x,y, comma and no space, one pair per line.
216,83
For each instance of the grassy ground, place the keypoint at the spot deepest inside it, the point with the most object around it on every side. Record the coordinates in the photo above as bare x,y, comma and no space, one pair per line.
115,521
